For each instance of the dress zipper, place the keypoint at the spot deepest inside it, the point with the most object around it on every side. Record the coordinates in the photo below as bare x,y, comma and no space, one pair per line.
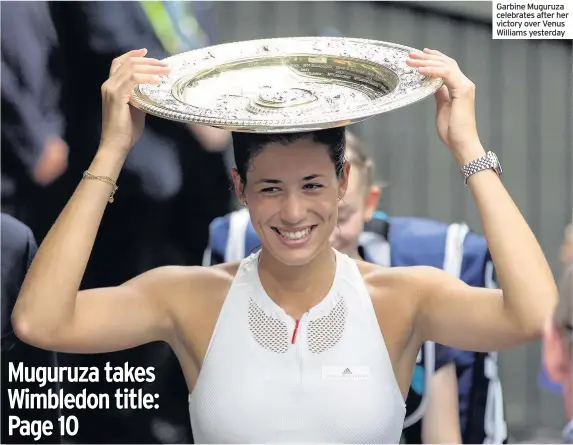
296,323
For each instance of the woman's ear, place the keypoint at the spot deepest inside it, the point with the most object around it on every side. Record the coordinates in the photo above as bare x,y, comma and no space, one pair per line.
238,185
372,199
557,360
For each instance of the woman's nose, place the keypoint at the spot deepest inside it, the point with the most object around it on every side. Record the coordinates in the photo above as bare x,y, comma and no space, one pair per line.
293,209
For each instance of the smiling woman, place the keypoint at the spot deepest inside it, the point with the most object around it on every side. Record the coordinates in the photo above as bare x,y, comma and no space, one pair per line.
298,342
281,177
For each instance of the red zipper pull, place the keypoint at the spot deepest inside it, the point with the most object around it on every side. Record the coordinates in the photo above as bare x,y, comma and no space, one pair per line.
295,331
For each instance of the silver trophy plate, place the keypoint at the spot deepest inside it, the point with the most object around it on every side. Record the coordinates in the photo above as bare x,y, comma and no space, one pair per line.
285,85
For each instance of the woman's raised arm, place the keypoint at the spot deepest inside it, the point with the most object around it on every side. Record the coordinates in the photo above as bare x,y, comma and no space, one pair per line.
49,312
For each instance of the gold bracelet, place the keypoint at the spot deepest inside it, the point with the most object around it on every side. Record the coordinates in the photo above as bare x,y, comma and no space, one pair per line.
106,179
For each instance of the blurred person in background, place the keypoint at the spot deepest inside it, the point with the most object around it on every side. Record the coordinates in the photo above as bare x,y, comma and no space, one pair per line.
544,380
182,26
34,151
164,165
558,347
17,252
436,404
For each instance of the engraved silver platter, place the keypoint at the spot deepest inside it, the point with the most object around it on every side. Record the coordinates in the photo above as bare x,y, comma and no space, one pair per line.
286,84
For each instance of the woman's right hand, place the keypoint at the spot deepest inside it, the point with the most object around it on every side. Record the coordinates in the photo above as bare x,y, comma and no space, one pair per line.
123,124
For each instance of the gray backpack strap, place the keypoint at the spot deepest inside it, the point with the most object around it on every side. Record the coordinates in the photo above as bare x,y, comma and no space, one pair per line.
376,248
454,251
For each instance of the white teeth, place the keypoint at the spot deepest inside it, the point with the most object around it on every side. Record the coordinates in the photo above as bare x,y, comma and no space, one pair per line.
295,235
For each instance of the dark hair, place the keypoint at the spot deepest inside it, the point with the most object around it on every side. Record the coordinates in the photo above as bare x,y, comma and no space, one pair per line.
247,145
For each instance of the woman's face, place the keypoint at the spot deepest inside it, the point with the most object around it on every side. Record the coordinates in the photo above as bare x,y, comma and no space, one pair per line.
292,194
354,211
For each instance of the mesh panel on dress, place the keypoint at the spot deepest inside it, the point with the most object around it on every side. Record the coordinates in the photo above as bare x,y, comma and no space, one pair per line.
327,331
270,333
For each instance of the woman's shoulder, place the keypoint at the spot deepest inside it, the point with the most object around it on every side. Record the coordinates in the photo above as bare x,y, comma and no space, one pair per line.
194,295
381,277
398,286
183,285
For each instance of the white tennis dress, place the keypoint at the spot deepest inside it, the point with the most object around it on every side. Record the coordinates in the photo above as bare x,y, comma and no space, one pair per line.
267,378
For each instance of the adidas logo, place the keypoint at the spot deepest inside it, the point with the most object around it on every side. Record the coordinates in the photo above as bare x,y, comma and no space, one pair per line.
342,373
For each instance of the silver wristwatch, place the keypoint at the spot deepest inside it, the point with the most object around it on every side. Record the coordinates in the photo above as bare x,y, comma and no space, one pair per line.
489,161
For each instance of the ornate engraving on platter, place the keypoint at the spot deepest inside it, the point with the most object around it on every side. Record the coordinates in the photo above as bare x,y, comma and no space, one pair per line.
281,85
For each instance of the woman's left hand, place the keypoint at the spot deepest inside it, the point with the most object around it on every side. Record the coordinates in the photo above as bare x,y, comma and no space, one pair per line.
455,118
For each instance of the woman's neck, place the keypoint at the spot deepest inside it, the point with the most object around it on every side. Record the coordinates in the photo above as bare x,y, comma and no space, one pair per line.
298,288
355,254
